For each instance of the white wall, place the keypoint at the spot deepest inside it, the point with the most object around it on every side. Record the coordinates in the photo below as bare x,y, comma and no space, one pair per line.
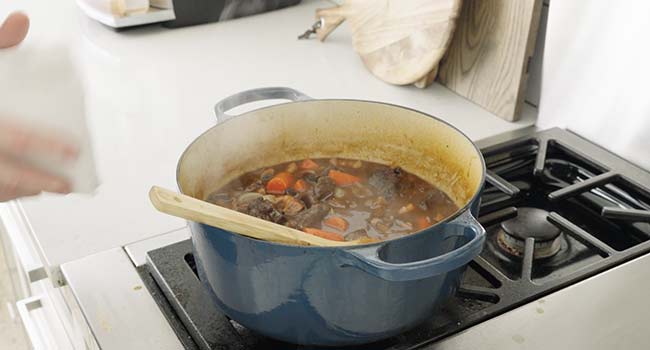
596,72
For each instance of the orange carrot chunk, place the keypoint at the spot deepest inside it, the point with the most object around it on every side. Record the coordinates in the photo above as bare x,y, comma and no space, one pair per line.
332,236
343,179
309,164
336,222
301,185
279,183
423,222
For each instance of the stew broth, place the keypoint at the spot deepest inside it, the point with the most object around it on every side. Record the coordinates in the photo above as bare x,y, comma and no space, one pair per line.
338,199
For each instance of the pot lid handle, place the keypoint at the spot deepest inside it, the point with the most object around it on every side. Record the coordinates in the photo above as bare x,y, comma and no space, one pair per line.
248,96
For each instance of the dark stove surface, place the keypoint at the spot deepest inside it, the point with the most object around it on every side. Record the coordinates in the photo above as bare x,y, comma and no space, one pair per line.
597,202
209,329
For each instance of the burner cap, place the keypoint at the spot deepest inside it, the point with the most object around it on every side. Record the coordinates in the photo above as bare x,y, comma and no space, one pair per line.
531,223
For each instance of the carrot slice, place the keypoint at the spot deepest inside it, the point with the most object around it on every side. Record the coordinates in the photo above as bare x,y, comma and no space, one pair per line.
343,179
332,236
423,222
279,183
301,185
336,222
309,164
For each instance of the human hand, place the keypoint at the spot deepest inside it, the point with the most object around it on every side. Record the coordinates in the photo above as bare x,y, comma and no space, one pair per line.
19,179
13,30
19,144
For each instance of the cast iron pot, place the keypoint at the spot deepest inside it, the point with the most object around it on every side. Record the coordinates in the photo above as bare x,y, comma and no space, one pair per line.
333,296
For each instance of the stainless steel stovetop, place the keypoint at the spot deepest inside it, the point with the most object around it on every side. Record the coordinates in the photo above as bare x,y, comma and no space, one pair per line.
558,209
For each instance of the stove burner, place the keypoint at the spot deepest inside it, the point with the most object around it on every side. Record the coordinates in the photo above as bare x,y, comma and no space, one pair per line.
529,223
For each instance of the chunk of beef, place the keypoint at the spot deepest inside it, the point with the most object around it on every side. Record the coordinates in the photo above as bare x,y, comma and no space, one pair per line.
309,176
326,170
310,217
337,203
381,225
385,181
264,209
243,200
291,206
433,199
254,186
307,197
324,187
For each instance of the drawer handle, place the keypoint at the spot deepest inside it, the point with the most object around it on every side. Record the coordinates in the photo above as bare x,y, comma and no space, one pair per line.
18,236
24,307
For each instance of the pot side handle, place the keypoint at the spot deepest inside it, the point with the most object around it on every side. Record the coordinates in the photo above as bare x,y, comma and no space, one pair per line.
244,97
368,259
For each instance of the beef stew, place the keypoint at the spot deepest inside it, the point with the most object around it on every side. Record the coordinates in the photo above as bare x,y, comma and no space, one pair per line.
338,199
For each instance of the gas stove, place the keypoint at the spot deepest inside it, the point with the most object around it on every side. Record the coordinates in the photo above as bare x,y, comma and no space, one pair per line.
557,210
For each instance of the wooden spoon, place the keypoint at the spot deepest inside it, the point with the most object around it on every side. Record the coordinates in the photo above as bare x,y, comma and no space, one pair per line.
189,208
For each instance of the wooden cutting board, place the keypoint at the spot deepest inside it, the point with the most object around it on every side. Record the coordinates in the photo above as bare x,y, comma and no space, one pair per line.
399,41
487,61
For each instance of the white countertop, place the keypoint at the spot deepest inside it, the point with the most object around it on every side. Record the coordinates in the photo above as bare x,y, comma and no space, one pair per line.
151,92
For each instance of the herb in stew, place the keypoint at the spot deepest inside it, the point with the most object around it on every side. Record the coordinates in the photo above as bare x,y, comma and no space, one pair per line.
338,199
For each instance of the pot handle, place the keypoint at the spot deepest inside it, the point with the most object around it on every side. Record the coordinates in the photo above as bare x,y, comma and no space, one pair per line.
368,259
268,93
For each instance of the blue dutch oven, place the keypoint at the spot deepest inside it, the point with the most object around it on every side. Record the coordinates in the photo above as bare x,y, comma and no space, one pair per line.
345,295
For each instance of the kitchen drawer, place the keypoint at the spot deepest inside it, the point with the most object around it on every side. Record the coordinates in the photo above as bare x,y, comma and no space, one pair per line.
16,234
42,324
53,321
14,268
48,319
66,313
13,287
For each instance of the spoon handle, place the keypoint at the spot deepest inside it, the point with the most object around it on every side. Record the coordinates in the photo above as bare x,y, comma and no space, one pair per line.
192,209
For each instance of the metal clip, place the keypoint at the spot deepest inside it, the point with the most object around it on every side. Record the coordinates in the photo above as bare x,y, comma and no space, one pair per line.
315,27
